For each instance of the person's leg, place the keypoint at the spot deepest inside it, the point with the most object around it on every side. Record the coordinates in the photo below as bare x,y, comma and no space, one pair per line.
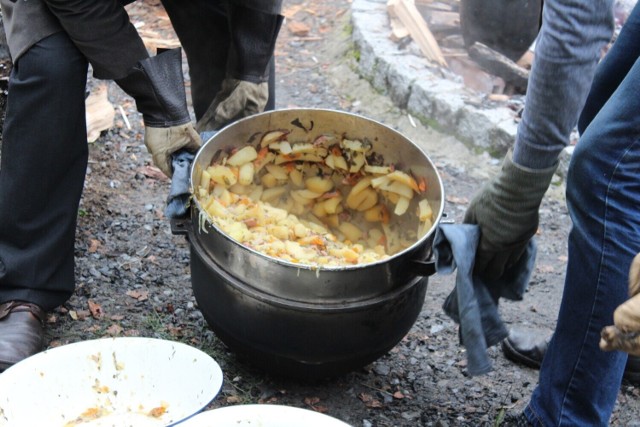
578,382
44,159
203,30
613,68
204,33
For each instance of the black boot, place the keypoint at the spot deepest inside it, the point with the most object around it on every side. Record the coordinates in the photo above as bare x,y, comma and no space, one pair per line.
526,348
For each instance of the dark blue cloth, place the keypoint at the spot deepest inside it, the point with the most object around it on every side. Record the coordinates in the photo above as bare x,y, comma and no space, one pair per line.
473,303
179,194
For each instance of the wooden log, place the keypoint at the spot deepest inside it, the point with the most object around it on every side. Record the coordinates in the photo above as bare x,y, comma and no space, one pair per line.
99,112
499,65
408,14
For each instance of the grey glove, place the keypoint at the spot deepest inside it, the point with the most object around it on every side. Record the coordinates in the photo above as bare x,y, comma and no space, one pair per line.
236,99
506,209
157,85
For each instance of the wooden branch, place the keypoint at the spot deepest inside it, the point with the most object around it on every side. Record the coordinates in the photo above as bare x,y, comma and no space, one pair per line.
406,12
499,65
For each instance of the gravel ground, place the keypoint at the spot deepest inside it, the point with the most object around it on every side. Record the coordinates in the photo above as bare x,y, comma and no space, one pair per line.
133,276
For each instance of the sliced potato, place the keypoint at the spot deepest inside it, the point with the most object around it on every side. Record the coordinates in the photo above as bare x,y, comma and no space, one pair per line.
308,194
245,175
404,178
354,145
279,172
273,136
357,162
377,170
268,180
378,213
350,231
297,178
264,158
401,206
205,181
222,175
244,155
272,193
318,184
331,205
360,186
398,188
425,213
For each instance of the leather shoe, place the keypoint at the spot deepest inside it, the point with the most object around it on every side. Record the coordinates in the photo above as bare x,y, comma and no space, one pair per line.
527,349
21,332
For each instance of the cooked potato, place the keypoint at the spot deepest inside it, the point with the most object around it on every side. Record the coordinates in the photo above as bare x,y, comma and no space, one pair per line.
222,175
245,175
405,179
350,231
401,206
362,200
425,213
205,181
244,155
272,193
273,136
296,178
318,184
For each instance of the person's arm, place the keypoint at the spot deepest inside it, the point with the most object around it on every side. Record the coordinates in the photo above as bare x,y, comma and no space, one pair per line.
102,31
570,43
569,46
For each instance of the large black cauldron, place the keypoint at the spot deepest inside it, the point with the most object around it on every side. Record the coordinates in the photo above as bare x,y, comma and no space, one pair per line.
306,321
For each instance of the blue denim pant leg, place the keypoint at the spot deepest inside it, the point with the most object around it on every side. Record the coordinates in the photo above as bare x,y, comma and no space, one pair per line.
579,383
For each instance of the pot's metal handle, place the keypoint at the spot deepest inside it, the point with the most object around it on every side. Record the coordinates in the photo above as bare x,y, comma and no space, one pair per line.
423,268
180,226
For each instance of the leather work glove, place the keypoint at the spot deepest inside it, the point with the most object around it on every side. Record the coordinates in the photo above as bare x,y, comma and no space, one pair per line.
624,335
245,90
506,209
157,85
236,99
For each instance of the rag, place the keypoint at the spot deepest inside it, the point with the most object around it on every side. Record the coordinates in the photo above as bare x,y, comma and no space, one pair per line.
179,193
473,303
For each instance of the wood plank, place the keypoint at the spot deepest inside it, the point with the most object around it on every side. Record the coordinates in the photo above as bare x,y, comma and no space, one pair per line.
408,14
398,30
499,65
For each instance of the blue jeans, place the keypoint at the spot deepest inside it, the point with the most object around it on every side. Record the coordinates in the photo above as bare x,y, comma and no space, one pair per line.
579,383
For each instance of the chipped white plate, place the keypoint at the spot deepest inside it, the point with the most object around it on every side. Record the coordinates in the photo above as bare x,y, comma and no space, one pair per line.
121,382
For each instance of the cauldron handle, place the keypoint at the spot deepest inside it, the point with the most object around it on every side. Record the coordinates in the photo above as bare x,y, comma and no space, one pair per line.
180,226
423,268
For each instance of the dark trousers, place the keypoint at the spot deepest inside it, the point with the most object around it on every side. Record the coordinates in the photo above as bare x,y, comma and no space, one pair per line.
203,29
43,165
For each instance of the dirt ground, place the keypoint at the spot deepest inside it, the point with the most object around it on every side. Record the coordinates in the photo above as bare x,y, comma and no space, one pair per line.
133,276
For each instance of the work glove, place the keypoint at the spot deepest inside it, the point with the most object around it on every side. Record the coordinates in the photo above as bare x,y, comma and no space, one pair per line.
245,90
506,209
157,86
236,99
624,334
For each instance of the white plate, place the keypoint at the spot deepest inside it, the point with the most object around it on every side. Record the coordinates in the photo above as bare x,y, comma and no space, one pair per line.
262,416
116,382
